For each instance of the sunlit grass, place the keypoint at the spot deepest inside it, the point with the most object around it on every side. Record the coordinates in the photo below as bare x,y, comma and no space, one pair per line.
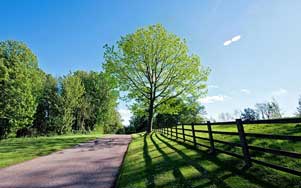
16,150
157,161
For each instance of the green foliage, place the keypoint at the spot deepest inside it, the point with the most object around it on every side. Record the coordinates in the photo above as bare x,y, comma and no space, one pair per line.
72,98
20,82
138,122
33,103
188,111
249,114
49,108
100,96
154,67
183,112
114,124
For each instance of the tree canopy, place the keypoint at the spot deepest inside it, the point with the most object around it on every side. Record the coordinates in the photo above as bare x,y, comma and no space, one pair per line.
21,83
154,68
35,103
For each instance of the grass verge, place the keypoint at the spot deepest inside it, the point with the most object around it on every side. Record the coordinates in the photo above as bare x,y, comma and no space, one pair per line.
157,161
16,150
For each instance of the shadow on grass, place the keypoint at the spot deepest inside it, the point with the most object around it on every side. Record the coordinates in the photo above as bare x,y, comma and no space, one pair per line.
148,163
180,179
254,175
213,178
158,161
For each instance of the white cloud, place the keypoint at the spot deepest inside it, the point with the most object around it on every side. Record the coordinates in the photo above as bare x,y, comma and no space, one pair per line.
234,39
213,99
125,116
226,43
246,91
279,92
213,86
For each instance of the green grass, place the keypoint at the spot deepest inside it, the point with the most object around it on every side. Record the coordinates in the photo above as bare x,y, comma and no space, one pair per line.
16,150
157,161
279,129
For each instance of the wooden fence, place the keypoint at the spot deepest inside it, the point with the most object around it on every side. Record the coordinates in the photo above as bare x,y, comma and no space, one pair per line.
178,132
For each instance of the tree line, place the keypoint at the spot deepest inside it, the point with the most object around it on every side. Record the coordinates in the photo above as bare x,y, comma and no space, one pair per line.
35,103
265,110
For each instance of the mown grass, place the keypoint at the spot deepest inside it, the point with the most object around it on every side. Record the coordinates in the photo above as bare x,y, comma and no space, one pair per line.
157,161
277,129
16,150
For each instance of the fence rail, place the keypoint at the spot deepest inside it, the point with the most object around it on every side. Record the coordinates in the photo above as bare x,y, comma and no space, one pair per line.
178,131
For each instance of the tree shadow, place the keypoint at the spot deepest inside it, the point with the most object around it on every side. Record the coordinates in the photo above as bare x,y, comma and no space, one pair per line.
148,163
205,174
180,179
253,175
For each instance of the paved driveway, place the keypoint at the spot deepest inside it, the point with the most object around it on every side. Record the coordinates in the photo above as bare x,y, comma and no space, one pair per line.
94,164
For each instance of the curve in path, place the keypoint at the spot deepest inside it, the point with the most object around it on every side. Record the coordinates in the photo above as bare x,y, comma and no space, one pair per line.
93,164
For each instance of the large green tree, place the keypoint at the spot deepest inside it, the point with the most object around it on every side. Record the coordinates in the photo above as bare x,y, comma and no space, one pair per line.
21,84
154,67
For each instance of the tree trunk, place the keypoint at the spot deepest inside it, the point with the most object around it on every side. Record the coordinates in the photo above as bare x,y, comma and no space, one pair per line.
150,117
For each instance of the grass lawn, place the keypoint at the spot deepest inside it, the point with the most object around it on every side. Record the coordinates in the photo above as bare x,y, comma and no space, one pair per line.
16,150
157,161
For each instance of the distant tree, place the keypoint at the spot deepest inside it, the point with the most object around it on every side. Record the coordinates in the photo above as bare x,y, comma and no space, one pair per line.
154,68
225,116
269,110
249,114
262,110
21,83
100,98
138,123
299,107
114,125
274,109
237,114
191,111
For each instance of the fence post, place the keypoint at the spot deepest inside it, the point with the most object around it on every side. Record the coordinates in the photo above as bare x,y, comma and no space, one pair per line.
212,149
176,132
183,131
244,143
193,134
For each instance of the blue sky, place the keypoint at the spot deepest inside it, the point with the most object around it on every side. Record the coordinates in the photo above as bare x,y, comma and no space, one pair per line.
264,63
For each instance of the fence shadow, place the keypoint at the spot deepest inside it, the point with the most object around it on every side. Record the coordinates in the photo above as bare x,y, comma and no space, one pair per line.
231,165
